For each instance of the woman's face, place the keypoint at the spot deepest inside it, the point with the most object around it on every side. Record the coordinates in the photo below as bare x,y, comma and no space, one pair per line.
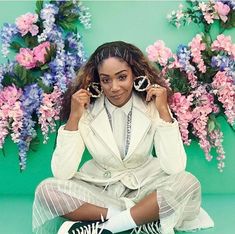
116,79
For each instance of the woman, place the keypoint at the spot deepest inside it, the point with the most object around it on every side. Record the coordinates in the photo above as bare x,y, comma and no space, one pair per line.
123,186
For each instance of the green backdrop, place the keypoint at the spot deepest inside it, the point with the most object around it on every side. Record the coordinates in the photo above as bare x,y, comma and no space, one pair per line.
138,22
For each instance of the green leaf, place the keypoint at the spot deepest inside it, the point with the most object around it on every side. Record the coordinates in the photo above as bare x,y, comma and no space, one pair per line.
45,88
67,5
34,144
3,151
24,74
211,125
72,18
44,67
230,23
31,41
15,46
67,26
39,6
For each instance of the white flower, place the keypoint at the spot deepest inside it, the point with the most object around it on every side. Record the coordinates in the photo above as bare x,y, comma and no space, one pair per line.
181,6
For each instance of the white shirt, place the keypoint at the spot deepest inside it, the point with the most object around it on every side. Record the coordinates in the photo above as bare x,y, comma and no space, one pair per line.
119,123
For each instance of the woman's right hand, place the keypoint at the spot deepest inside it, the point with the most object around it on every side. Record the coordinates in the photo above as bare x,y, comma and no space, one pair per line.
79,102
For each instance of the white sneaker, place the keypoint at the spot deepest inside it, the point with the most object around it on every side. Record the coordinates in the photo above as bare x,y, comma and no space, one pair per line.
90,227
64,228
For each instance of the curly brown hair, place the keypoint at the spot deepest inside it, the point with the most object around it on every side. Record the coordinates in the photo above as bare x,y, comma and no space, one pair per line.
127,52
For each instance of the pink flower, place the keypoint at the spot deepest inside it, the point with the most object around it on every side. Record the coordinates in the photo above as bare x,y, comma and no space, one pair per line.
49,112
25,24
192,79
223,42
11,113
209,18
208,12
159,53
225,90
203,6
222,10
232,50
196,46
39,52
29,58
26,58
216,138
181,106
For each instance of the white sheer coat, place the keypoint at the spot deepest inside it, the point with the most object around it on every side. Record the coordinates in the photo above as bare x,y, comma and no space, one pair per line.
148,130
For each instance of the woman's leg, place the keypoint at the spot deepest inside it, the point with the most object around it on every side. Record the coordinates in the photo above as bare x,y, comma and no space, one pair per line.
87,212
143,212
146,211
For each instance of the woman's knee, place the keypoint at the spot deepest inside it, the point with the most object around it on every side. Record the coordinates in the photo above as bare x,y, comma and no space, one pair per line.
45,192
189,183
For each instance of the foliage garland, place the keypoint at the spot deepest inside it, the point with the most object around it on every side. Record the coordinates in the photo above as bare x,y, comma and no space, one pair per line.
49,52
201,74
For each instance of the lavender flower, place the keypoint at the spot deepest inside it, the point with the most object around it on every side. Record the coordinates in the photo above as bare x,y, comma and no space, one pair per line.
57,72
48,79
6,35
224,63
48,16
85,16
30,100
184,56
6,69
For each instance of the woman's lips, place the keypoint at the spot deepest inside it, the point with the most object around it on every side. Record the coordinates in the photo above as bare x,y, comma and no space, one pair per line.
117,96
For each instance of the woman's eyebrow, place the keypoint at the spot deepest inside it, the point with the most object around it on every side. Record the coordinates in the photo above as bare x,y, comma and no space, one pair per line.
102,74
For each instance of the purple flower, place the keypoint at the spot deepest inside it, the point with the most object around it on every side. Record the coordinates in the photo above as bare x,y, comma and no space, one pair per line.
222,62
72,41
6,34
30,100
184,55
58,72
48,11
6,69
48,79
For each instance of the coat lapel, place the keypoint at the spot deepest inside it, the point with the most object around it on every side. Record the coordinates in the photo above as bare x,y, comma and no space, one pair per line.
139,126
101,126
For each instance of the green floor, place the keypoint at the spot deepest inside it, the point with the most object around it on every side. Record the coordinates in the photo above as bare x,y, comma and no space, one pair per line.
15,214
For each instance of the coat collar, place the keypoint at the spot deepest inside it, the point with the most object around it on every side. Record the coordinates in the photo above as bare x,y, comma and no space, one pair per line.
140,125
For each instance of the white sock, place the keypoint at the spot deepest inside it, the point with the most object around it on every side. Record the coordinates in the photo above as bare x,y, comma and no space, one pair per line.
120,222
111,212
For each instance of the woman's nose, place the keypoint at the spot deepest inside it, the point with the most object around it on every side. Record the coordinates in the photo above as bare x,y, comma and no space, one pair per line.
115,86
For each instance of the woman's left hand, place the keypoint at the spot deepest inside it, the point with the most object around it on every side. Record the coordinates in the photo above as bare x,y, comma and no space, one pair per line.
158,94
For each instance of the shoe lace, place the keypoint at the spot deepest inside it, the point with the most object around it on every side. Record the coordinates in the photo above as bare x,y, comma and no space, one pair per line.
94,228
149,228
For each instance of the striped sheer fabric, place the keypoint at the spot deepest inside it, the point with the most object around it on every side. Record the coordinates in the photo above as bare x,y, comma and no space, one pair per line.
178,196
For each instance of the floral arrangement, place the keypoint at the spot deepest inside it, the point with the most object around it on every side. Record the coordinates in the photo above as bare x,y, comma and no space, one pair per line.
201,75
49,52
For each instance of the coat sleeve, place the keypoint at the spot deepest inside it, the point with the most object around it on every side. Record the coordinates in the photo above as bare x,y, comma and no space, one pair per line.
169,146
67,154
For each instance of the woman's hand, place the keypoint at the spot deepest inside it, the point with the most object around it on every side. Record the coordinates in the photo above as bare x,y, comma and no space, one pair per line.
158,94
79,102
